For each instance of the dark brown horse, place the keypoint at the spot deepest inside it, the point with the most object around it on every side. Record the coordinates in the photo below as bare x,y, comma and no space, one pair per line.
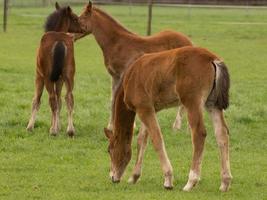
122,47
191,76
55,66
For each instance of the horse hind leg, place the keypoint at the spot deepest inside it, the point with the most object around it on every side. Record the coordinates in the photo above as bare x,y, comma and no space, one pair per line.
198,131
141,147
39,86
69,82
50,86
59,85
222,138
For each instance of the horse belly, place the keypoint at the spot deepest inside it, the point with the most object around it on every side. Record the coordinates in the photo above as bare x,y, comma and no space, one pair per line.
166,98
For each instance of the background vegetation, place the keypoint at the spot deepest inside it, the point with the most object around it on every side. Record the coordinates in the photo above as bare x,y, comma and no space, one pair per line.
38,166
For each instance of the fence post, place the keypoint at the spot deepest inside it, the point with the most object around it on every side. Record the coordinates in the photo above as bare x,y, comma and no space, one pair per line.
44,2
5,15
150,3
130,6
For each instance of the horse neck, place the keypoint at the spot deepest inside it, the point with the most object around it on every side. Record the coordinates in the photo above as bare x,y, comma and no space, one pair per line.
107,31
123,119
62,27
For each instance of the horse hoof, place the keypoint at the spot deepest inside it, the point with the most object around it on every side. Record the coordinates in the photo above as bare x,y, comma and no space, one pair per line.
168,187
133,179
224,187
115,180
187,188
29,128
53,132
225,184
71,133
190,185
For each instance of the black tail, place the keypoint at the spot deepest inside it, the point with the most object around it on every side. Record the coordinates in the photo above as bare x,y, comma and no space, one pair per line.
219,96
58,61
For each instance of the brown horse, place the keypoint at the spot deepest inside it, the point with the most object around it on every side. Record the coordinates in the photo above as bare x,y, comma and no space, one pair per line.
191,76
56,65
121,47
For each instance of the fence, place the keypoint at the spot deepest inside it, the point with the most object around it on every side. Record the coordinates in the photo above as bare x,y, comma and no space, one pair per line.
39,3
44,3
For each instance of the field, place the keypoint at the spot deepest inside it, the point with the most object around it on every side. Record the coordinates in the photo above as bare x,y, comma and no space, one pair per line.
38,166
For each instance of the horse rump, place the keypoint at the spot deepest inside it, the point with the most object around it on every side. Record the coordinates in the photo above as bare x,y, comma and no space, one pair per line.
219,96
58,61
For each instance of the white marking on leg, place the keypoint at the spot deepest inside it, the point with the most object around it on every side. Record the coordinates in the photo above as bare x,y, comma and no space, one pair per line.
142,143
193,179
221,133
32,120
178,121
70,128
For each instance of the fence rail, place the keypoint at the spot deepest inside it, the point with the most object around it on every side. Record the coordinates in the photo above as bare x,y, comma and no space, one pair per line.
40,3
243,4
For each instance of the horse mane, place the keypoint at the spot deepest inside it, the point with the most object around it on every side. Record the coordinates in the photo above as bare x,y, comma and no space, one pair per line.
54,19
123,117
109,17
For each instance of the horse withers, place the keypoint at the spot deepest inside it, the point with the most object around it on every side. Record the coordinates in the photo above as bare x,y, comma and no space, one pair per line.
188,76
56,65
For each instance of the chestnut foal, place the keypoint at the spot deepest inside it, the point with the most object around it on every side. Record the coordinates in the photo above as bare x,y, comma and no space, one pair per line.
191,76
121,47
55,66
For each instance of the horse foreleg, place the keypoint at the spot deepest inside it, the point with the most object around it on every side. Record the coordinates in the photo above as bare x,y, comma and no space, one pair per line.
222,137
39,86
177,124
141,147
148,117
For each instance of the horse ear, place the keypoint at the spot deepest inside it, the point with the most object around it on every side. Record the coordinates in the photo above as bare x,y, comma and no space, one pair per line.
69,10
57,6
89,6
108,133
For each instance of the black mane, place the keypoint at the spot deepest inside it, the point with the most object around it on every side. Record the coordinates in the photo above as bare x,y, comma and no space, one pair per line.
54,19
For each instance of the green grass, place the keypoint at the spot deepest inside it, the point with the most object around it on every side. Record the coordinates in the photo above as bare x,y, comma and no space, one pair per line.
37,166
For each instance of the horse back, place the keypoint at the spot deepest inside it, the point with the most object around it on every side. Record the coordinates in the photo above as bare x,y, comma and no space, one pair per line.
165,79
166,40
46,51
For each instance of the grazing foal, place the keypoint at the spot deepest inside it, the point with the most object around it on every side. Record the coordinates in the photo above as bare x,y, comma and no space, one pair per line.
121,47
55,66
191,76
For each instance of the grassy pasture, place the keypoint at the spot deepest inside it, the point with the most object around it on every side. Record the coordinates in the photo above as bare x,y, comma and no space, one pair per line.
37,166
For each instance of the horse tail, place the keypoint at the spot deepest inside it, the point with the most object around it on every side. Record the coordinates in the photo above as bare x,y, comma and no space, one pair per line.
219,96
59,52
